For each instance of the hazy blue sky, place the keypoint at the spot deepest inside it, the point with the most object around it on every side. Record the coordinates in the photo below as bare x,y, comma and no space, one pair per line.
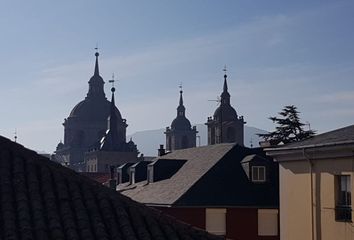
277,52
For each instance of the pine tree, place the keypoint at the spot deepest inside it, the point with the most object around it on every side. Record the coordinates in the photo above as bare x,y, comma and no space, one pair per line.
289,127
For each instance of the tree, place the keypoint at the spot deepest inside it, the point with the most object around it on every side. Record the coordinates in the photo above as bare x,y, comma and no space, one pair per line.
289,127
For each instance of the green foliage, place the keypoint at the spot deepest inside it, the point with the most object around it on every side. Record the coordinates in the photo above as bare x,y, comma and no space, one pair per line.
289,127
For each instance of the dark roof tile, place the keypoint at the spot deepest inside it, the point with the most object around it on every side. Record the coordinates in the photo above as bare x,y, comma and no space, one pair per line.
345,134
40,199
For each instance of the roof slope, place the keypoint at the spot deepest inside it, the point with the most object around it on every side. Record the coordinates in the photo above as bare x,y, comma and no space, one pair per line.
340,135
40,199
211,176
200,160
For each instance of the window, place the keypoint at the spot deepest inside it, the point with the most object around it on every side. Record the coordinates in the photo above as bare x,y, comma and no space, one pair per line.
132,176
258,174
343,198
267,222
150,174
215,220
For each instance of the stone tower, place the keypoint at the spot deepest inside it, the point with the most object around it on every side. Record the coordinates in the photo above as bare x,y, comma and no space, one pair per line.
181,134
87,124
113,150
225,126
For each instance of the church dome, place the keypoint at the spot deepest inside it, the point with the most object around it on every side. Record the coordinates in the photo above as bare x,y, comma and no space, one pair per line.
95,107
89,109
180,123
228,113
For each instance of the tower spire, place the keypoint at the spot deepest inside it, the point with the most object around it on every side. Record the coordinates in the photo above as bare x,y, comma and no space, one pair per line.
181,109
180,96
112,118
225,77
97,72
110,141
225,96
96,82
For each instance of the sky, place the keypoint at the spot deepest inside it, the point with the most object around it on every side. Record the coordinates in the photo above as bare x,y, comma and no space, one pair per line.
277,53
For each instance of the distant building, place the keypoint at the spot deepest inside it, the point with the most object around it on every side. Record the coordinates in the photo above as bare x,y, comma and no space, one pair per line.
181,134
87,124
225,126
41,199
226,189
112,149
316,186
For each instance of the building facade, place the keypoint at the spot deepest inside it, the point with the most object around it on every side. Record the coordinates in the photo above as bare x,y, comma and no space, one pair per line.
225,126
226,189
87,124
113,150
316,185
181,134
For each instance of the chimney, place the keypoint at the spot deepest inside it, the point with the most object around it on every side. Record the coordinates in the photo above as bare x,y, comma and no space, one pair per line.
161,150
112,181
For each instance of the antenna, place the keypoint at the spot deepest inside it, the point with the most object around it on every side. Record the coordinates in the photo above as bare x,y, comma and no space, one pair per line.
15,137
180,86
217,100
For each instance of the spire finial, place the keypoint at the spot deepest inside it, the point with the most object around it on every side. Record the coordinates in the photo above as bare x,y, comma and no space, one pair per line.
112,81
180,94
225,71
97,72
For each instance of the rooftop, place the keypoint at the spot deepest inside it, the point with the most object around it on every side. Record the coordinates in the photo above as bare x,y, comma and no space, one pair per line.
41,199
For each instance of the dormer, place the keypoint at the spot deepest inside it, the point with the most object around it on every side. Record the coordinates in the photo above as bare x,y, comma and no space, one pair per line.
138,171
162,169
123,173
256,168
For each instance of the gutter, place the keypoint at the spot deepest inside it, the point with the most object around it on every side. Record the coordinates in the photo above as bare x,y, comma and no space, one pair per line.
275,149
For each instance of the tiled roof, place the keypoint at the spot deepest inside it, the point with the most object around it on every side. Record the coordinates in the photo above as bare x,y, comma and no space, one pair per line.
211,176
340,135
170,190
40,199
100,177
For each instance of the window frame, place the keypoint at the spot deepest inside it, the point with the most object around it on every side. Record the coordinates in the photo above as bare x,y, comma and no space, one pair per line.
257,169
215,221
343,203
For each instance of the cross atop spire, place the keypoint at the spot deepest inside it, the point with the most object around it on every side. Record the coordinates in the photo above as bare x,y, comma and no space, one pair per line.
112,81
180,95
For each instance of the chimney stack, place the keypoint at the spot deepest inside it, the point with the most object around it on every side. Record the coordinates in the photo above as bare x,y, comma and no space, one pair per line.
112,181
161,150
